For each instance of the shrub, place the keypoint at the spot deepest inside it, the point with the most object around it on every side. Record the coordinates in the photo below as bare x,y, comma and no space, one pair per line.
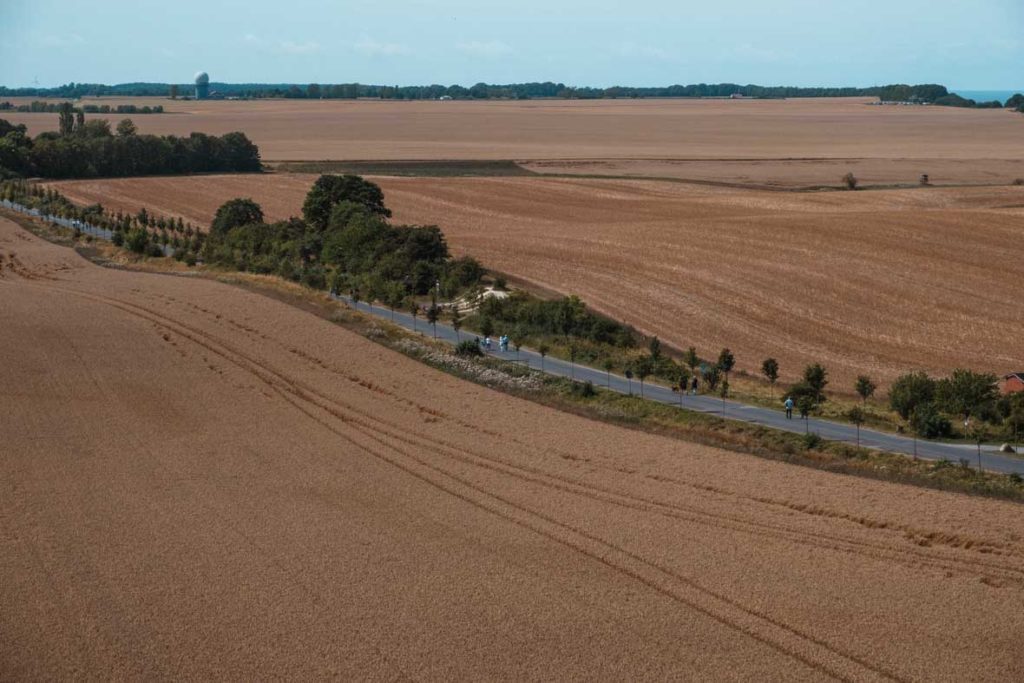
928,423
468,349
313,277
190,259
137,240
583,389
850,181
286,269
154,249
811,440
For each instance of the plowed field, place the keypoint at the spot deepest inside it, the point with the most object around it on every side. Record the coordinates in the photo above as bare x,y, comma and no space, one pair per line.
874,282
199,482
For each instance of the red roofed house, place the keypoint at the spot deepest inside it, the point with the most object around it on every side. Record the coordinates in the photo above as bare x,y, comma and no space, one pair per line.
1013,383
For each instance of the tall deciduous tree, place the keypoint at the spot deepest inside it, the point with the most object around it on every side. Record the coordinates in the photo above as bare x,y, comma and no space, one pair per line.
66,118
910,392
967,393
235,213
329,190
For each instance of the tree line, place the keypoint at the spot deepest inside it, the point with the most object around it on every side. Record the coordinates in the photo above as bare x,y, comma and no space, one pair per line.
144,233
87,149
38,107
344,242
922,93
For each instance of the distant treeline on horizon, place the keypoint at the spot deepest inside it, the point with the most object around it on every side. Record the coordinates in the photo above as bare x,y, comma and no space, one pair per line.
924,93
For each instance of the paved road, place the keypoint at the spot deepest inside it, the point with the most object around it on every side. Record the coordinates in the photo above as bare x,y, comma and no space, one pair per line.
991,459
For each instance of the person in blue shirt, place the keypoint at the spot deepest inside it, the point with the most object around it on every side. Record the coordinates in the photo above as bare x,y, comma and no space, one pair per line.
789,407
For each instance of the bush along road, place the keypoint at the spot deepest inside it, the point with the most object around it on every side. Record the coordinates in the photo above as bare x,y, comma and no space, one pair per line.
990,458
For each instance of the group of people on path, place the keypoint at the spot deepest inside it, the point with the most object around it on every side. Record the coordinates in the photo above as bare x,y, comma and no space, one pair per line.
503,342
694,384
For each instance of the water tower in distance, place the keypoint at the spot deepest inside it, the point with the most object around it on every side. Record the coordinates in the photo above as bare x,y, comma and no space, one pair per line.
202,85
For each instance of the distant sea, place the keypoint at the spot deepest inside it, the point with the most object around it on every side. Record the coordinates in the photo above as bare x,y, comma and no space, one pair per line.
988,95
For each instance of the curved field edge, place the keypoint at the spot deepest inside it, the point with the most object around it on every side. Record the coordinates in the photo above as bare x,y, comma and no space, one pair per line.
563,394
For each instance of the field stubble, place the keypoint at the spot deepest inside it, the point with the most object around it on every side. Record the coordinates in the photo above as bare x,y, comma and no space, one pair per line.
876,282
801,141
386,518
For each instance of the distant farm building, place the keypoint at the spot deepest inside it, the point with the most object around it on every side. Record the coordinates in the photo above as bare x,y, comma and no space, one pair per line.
1013,383
202,85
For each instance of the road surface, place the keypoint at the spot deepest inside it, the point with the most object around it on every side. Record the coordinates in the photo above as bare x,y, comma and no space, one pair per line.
991,458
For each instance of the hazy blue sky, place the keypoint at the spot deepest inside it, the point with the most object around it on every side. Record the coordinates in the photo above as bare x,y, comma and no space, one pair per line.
961,43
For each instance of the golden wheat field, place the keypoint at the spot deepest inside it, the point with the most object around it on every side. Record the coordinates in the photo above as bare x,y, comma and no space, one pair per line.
200,482
814,141
876,282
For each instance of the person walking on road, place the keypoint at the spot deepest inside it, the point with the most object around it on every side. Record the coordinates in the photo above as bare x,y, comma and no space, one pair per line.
693,386
789,407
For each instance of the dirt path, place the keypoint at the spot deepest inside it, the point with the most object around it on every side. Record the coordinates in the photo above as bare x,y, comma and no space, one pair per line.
201,482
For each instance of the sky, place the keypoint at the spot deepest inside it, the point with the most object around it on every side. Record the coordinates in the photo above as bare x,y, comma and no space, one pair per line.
964,44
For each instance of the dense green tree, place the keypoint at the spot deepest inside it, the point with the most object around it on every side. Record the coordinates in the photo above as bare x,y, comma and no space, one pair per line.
66,119
910,392
967,393
926,421
89,150
95,128
330,190
235,213
239,153
816,378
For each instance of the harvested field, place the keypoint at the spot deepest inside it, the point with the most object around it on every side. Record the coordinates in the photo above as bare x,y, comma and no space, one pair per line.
875,282
623,137
200,482
787,174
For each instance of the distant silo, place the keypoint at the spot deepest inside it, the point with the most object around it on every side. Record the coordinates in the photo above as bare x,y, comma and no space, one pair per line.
202,85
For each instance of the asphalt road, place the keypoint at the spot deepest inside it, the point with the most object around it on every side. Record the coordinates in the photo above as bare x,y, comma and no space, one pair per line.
991,458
